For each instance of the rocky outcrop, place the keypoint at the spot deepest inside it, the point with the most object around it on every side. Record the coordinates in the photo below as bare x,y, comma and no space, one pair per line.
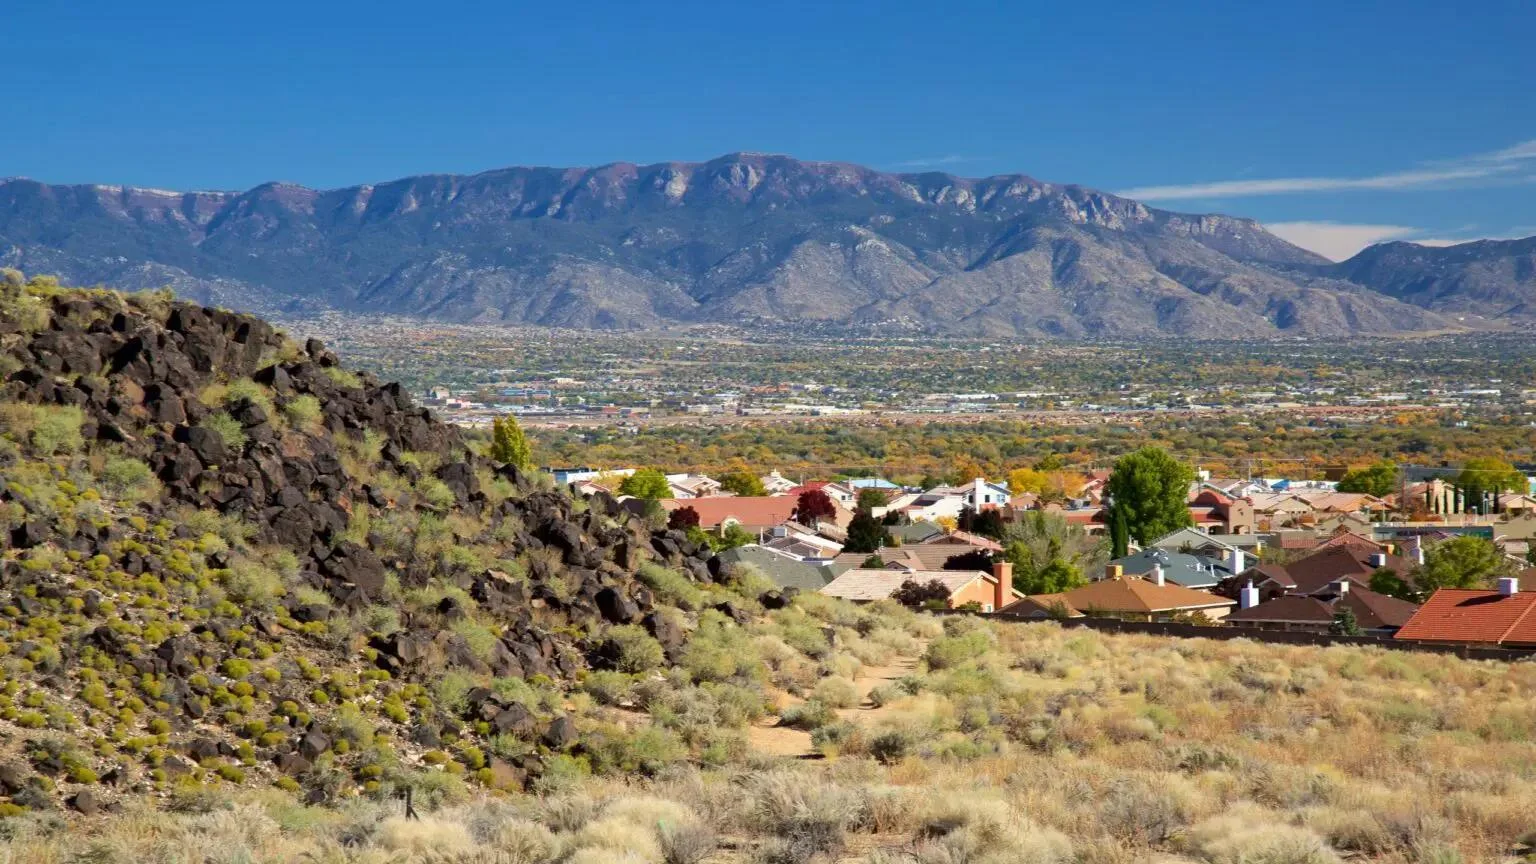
231,418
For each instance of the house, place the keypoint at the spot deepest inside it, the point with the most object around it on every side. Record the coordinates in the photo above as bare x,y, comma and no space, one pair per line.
1130,598
754,514
785,570
1345,556
692,485
1374,613
567,476
776,483
1179,568
990,591
1218,513
915,557
1505,616
917,532
963,538
1218,547
801,542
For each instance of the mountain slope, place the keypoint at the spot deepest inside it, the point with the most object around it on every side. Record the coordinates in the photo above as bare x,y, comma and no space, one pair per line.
1495,278
224,558
740,238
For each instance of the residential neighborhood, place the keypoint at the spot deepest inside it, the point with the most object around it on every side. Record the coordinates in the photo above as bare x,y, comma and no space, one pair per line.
1261,554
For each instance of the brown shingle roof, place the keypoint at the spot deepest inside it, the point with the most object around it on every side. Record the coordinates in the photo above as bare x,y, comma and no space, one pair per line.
1372,611
1463,615
861,584
1139,596
919,556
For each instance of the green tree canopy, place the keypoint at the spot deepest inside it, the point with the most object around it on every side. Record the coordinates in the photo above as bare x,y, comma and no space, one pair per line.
1049,554
1151,489
869,499
508,445
648,483
1379,479
742,483
1461,562
1488,476
866,534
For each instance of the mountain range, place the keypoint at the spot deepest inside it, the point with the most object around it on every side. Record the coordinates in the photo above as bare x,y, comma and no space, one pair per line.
752,238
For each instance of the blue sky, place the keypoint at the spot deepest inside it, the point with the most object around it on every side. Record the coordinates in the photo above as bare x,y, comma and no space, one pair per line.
1335,123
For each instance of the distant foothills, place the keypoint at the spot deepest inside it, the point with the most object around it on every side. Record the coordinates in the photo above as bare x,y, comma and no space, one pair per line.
752,239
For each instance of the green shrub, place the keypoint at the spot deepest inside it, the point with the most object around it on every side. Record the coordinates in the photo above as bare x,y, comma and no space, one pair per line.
342,378
671,586
128,478
56,429
608,688
303,411
228,429
635,649
809,715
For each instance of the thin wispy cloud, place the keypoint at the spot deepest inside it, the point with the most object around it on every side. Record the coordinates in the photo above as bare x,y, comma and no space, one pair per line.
1510,165
935,161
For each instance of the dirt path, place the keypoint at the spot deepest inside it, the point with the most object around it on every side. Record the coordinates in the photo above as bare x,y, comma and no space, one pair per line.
770,739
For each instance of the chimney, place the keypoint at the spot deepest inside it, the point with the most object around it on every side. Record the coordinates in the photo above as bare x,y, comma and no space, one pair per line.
1418,551
1248,597
1002,592
978,493
1378,560
1156,576
1113,571
1340,587
1509,586
1235,561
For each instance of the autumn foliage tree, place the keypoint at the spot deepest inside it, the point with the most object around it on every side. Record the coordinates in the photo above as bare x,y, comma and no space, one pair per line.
683,518
814,505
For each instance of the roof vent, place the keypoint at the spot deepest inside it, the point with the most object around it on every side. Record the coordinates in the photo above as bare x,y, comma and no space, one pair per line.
1378,559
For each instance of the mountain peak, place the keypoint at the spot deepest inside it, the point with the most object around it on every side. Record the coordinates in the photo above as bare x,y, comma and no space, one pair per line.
742,237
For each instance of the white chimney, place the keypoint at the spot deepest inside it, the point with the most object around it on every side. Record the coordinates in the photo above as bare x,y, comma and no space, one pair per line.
1509,586
1248,597
1235,561
1418,551
1378,559
1340,587
1156,575
978,493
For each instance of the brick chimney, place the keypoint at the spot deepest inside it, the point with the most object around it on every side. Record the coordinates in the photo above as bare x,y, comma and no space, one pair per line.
1002,592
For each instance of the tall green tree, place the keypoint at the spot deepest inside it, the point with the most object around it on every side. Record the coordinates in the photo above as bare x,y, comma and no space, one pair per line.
1488,477
1151,489
508,444
866,534
1049,554
648,483
742,483
1379,479
1461,562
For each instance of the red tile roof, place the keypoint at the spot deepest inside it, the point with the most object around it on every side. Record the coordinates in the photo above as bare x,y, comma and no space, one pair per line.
1465,615
751,512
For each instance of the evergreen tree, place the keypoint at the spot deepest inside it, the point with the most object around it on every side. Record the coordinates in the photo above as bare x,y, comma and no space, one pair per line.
1150,491
866,534
508,444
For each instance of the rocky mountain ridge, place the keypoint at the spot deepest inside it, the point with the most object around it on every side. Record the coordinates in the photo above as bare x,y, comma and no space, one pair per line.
743,238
